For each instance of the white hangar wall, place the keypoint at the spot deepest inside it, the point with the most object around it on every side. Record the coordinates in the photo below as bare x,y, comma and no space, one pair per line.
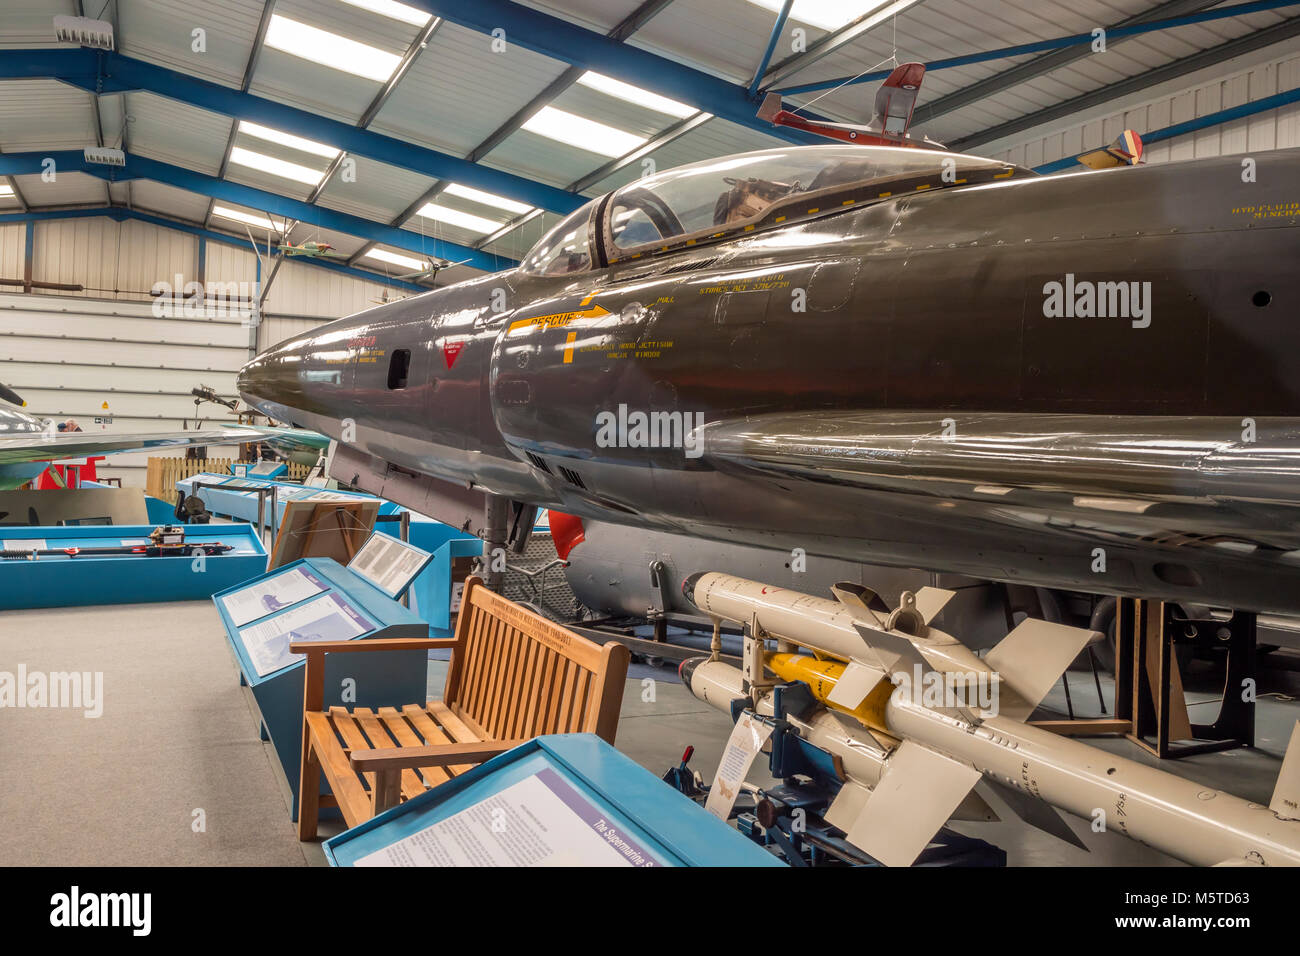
71,353
1271,72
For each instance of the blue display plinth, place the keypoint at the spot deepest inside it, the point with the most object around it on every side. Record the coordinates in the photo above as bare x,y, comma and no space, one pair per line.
563,799
65,581
317,598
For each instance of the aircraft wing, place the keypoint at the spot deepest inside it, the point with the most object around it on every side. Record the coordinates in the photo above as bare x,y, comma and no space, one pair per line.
1131,471
38,447
896,98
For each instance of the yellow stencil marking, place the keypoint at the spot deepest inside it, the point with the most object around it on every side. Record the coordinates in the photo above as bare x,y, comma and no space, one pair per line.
883,195
568,347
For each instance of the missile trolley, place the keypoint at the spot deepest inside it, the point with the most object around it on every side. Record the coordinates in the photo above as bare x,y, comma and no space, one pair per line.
912,721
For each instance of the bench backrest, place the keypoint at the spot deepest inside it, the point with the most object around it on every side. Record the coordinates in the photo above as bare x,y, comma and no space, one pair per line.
519,675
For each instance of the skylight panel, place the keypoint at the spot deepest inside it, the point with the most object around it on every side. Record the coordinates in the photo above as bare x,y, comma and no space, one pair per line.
393,10
251,219
487,199
396,259
634,94
581,132
330,49
828,14
455,217
276,167
287,139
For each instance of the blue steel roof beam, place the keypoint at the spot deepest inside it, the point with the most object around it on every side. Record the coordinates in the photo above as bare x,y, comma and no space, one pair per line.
561,40
125,74
835,40
1057,43
119,214
782,15
1040,65
1279,32
624,29
139,167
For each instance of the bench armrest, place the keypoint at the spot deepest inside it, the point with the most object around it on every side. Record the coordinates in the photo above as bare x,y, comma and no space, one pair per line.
438,755
386,644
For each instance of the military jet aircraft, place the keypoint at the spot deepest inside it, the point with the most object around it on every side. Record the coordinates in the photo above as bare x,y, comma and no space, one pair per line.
310,249
893,356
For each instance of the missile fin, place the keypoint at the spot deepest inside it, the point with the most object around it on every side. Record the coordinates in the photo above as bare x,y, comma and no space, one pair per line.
918,793
894,652
1031,659
930,601
857,681
847,805
863,603
1286,794
1036,813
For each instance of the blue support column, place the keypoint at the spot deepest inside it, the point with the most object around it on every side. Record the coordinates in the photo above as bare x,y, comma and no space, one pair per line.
771,47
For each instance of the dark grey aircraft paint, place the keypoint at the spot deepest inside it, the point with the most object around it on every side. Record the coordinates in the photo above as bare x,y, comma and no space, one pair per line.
1086,381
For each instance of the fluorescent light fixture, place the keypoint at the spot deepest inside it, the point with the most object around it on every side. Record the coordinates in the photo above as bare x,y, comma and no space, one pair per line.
406,262
330,49
826,14
454,217
276,167
393,10
252,219
582,133
6,190
487,199
287,139
634,94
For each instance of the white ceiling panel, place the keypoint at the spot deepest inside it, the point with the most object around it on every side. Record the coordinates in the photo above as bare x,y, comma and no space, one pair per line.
162,32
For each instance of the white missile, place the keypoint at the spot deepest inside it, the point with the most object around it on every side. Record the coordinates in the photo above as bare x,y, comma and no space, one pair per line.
937,752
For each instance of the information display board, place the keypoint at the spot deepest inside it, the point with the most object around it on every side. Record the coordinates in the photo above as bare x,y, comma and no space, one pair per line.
563,800
389,563
271,594
326,618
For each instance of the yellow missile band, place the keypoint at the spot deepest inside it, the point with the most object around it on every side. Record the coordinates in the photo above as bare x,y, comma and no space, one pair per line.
821,676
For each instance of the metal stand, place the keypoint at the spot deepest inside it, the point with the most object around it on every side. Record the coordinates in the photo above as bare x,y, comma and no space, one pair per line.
1148,687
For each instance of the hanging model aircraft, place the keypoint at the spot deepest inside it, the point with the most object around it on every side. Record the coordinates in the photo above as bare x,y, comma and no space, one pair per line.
891,356
895,102
310,249
29,444
429,272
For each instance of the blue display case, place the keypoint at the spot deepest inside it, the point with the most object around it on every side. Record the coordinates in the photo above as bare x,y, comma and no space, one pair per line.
65,581
317,598
601,806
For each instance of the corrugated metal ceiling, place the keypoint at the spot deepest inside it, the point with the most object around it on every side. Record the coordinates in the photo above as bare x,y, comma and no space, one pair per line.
458,92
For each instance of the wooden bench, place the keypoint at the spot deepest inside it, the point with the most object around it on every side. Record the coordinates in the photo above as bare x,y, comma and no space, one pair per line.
514,675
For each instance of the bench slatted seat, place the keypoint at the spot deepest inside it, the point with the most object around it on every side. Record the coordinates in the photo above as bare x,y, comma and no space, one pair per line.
514,675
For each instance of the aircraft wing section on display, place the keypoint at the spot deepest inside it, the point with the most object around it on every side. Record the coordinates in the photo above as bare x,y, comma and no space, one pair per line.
38,447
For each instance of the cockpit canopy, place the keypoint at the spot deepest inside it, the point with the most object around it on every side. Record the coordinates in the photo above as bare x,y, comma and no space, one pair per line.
720,197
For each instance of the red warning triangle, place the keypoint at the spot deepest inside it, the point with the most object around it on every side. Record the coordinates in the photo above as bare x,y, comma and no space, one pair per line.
451,350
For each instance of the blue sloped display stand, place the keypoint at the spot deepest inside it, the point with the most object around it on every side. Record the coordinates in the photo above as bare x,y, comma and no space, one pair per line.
378,679
62,581
629,807
431,591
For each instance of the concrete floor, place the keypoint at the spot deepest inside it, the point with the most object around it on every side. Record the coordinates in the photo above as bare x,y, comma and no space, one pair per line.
177,746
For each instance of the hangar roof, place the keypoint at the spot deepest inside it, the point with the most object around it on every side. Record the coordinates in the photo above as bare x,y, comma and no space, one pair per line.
441,130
